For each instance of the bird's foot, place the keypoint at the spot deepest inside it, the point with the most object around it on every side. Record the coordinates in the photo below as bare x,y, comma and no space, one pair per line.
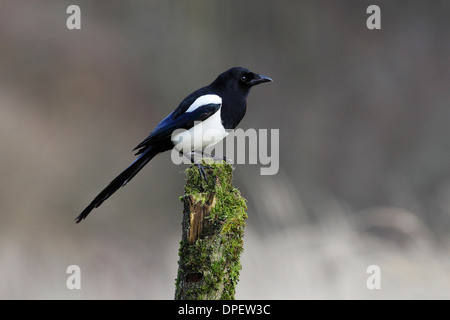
220,159
224,159
227,160
201,171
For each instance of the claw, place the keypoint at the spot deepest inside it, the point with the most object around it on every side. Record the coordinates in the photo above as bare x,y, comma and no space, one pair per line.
227,160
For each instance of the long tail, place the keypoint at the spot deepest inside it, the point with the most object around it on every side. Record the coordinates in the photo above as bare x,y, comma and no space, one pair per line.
121,180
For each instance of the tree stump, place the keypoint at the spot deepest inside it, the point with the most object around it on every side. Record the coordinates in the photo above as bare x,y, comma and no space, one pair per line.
212,237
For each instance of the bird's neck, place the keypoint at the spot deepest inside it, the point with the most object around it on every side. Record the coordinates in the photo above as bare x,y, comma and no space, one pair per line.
233,102
232,111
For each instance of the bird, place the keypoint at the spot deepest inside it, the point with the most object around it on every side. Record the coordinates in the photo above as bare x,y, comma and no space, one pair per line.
220,106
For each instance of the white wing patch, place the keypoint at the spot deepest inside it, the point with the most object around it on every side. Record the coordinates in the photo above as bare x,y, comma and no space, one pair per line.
204,100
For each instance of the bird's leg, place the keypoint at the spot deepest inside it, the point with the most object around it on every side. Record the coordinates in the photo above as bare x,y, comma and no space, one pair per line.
201,170
200,166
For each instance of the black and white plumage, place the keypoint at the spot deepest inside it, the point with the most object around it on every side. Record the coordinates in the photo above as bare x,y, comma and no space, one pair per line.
219,106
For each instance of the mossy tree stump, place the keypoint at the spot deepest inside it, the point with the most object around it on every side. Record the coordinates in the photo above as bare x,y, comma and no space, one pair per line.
212,239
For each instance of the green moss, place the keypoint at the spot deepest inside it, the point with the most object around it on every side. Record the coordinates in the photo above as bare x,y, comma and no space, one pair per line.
215,257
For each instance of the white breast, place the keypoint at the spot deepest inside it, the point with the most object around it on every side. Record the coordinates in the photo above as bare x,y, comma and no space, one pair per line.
203,134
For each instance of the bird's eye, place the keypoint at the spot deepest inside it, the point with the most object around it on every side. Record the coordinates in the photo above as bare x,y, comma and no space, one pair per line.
244,78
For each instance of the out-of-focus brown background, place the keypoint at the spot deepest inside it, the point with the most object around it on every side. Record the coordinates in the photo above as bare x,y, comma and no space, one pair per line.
364,119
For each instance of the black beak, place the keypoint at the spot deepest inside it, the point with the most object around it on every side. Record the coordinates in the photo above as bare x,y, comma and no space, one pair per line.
259,79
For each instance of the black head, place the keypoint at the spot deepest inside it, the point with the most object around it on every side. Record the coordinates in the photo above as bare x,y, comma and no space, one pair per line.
241,79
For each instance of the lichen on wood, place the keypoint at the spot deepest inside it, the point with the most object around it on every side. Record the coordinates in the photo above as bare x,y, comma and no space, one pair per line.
212,238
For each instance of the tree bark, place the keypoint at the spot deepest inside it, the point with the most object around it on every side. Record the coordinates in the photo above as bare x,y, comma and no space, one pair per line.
212,236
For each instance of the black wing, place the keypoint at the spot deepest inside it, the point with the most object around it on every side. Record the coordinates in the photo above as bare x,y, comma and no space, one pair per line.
174,121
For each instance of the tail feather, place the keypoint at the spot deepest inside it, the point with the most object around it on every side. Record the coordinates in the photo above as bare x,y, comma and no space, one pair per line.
120,181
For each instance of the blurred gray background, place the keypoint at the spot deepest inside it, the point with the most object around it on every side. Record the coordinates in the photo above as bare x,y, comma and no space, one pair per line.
364,121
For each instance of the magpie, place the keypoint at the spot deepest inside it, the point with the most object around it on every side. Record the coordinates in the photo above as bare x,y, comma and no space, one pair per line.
220,106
